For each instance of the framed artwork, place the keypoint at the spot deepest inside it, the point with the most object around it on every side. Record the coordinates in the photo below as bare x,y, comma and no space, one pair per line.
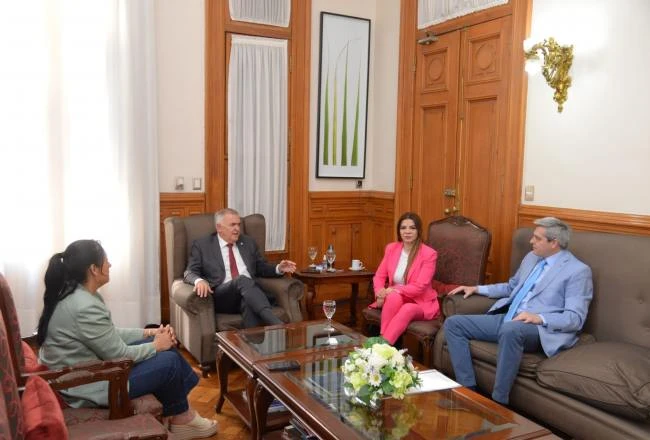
342,96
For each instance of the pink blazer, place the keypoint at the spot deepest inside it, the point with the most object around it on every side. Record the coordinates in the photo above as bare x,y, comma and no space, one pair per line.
418,279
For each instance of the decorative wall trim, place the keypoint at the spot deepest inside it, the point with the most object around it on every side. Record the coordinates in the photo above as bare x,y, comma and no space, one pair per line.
584,220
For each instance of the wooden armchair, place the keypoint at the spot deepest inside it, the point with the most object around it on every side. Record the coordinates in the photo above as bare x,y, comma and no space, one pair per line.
25,365
34,411
463,247
192,317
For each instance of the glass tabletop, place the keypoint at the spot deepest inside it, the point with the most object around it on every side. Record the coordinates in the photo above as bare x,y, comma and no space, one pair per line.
269,340
438,414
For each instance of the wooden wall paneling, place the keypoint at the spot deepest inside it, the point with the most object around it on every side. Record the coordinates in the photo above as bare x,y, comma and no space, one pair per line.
171,205
585,220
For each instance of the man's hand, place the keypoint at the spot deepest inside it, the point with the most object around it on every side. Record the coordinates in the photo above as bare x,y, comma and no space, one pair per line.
467,290
202,288
529,318
287,266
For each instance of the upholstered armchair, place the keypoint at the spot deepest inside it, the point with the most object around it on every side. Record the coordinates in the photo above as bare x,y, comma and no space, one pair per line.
193,317
463,247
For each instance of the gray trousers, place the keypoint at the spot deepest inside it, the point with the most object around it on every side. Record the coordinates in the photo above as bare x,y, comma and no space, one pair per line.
243,295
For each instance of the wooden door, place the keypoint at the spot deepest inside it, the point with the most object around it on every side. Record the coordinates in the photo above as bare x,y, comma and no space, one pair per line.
435,127
460,128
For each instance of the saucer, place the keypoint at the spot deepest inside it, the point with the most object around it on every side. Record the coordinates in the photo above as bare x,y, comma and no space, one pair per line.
362,268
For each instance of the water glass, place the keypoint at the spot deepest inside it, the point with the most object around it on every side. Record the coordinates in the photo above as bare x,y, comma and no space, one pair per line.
329,308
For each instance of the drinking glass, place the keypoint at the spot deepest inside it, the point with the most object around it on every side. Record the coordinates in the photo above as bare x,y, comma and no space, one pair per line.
329,307
311,253
331,256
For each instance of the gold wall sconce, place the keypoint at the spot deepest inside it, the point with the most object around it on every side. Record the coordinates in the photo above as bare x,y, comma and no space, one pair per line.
557,62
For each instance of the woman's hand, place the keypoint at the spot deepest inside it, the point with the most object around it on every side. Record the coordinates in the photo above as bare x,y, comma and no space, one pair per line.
382,294
163,341
149,332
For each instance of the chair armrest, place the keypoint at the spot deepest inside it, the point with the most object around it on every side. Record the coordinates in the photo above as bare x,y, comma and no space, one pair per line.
474,305
115,372
288,292
183,295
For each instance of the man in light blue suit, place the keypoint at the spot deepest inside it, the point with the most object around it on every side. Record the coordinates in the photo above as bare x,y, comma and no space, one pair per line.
543,305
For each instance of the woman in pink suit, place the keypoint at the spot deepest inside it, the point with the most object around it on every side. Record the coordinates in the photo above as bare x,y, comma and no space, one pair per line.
403,280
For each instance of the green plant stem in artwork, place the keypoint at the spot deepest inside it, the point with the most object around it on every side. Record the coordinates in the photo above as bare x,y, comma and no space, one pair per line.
355,139
326,122
344,129
334,121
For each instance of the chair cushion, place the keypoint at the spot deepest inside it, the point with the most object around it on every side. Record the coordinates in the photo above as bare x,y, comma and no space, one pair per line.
442,288
487,352
372,315
31,360
612,376
425,329
41,411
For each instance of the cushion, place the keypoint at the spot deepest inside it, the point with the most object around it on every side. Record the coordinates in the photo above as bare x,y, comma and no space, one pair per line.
31,360
41,411
442,288
612,376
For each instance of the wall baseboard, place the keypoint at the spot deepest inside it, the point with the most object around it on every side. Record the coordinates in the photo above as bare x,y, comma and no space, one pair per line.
584,220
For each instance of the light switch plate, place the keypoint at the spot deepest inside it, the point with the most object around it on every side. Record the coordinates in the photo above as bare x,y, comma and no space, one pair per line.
196,183
179,183
529,193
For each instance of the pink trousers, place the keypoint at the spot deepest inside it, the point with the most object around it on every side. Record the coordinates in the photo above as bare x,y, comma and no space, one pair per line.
396,314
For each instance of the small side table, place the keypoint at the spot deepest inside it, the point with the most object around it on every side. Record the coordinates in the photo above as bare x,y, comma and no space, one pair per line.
312,279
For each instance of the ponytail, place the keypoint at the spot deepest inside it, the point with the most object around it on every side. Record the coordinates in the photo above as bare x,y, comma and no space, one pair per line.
65,271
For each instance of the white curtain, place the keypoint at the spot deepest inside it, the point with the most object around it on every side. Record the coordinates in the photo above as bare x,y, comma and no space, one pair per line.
273,12
432,12
257,132
78,147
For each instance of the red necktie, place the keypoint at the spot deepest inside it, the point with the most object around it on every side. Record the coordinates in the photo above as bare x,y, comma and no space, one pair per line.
234,273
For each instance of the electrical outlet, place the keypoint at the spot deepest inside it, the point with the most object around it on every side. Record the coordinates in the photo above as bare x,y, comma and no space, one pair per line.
359,183
196,183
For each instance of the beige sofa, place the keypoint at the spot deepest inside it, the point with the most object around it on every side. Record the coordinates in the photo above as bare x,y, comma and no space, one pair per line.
599,389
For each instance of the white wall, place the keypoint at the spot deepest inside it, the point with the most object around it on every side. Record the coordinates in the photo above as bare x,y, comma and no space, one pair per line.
180,43
180,48
596,154
382,92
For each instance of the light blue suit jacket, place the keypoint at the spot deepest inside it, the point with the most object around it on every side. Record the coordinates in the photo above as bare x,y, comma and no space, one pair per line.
562,297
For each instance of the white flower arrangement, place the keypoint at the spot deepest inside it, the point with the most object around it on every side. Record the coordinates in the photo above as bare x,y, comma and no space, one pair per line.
378,370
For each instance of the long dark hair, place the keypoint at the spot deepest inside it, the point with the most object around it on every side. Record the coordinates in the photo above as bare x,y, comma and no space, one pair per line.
65,271
418,242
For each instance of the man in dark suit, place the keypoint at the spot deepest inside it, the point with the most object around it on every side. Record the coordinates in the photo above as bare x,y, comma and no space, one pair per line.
226,263
544,305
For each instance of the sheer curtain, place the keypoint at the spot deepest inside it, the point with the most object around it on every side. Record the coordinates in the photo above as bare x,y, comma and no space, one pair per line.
273,12
257,132
432,12
78,156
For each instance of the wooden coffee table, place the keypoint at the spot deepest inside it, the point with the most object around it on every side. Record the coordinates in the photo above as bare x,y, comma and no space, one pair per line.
313,279
249,346
313,395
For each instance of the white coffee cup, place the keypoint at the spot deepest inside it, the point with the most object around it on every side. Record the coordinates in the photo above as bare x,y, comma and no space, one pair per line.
357,265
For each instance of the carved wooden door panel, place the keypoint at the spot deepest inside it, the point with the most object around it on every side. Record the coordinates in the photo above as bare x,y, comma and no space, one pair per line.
483,118
460,127
435,126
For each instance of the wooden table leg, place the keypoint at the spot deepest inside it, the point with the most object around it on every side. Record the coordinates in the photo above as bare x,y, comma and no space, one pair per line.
353,304
263,400
250,395
223,367
311,292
